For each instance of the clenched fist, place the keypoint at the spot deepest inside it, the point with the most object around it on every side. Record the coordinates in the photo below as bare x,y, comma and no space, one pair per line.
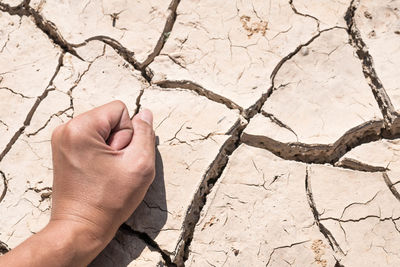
104,162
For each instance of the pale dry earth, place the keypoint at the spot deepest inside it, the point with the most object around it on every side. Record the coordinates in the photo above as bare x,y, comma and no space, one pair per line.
277,124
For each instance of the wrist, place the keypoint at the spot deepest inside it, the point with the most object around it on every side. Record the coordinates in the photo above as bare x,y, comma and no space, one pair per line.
96,223
60,243
74,241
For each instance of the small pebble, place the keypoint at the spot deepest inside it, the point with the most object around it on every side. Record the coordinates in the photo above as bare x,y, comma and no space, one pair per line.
304,51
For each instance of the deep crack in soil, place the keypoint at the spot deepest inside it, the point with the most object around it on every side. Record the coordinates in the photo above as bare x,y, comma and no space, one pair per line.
369,72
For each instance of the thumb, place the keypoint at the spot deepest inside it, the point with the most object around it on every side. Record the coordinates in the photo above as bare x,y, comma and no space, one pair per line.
142,144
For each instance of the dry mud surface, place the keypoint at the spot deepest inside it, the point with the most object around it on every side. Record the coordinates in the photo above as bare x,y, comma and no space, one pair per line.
277,124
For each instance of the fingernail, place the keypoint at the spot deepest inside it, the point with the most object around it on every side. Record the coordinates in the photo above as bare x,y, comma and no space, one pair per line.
147,116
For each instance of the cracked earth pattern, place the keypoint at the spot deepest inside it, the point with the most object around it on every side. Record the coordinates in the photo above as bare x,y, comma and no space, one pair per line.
276,123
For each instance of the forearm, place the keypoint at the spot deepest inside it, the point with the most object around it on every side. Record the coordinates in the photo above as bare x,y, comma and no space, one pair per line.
58,244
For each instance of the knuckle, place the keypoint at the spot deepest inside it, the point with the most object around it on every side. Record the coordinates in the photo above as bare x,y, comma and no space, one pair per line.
71,131
145,167
101,123
67,134
55,136
119,103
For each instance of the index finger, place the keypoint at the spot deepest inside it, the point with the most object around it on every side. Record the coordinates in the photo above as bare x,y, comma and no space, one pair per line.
107,119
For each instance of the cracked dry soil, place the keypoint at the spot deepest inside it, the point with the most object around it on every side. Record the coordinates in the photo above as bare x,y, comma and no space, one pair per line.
277,123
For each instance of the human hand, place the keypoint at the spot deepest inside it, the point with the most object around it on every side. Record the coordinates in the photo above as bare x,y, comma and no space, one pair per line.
103,165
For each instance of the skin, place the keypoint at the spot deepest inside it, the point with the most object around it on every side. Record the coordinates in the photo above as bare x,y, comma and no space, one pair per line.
104,162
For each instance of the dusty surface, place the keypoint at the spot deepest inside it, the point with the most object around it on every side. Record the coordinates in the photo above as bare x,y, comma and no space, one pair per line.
276,123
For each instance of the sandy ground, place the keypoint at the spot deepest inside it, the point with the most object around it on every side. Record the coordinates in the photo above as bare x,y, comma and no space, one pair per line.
277,124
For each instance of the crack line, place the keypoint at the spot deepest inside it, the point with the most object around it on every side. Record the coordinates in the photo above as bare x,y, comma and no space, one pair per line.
318,153
58,114
52,32
356,165
169,24
46,26
210,177
16,93
200,90
125,53
391,186
4,248
304,15
126,229
278,122
31,112
5,186
326,233
282,247
79,79
138,105
4,124
361,219
256,107
378,90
